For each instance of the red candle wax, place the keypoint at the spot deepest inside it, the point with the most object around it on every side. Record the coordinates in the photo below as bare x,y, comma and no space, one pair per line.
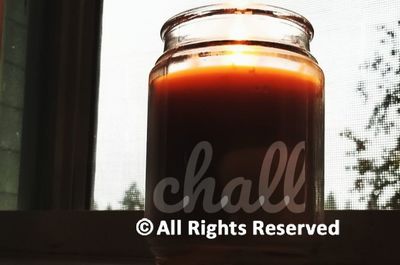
241,111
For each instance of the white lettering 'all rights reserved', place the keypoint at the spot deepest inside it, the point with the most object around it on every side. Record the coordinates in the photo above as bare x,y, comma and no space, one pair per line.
195,184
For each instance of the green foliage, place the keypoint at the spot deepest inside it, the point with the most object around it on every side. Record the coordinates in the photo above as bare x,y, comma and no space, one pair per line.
133,198
330,202
379,175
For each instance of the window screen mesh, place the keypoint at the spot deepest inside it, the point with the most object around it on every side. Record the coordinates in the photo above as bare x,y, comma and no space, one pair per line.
357,46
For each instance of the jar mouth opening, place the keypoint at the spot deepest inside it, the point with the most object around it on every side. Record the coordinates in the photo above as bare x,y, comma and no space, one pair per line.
238,8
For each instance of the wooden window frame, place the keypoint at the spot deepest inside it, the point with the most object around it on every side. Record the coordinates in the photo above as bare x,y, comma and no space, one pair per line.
59,123
57,162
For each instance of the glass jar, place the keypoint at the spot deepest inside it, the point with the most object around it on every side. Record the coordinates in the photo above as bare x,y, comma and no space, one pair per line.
235,135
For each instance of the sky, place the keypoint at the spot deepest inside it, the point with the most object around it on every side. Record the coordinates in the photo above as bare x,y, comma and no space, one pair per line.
345,35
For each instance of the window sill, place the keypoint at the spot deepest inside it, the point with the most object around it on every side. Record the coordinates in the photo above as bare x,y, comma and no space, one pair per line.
109,237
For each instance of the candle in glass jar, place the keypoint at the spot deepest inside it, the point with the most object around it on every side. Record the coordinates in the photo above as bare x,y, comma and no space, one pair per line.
241,110
235,130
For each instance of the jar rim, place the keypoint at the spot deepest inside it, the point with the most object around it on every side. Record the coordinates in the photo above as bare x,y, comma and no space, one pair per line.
236,8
